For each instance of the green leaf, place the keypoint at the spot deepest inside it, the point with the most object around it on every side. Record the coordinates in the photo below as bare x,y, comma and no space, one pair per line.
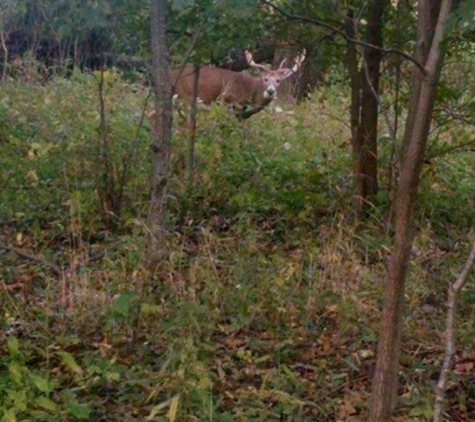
463,17
113,376
13,347
180,5
41,383
9,416
18,398
80,411
122,305
46,404
147,308
16,372
418,411
226,417
70,362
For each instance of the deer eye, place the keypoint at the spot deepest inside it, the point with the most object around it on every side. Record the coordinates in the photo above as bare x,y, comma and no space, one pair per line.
278,81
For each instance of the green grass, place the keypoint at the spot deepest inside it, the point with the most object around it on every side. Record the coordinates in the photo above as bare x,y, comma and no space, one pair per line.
268,305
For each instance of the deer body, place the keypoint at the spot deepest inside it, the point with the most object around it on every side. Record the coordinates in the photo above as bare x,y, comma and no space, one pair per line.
246,94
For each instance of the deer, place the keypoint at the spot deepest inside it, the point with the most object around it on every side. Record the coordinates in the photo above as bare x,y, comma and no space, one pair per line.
245,94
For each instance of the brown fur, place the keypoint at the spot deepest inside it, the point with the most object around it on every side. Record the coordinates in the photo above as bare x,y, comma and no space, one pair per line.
241,90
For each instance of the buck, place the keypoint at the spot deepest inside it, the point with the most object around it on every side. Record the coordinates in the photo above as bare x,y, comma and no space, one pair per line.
244,93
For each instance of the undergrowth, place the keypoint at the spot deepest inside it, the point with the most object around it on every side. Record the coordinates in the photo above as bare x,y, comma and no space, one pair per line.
268,306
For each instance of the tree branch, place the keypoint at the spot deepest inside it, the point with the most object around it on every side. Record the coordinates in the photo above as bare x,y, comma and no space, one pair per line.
56,268
454,289
32,257
342,33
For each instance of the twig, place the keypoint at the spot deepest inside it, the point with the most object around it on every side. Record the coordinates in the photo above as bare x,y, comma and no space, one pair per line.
194,41
341,32
32,257
73,267
454,289
135,143
344,385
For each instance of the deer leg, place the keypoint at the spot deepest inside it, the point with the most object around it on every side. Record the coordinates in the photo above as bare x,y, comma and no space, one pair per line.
248,111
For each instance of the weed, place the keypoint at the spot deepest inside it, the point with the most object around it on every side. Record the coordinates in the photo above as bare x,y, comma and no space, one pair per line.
267,307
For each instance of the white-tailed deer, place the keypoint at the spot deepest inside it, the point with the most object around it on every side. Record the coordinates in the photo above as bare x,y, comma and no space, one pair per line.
245,93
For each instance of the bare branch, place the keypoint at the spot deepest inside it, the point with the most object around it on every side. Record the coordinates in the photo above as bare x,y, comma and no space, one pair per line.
342,33
22,253
32,257
194,41
454,289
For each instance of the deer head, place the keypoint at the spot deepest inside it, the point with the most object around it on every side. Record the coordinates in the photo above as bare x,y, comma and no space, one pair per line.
271,79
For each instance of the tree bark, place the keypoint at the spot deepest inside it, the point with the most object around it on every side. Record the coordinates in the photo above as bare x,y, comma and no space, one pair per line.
432,19
365,104
355,86
162,132
368,179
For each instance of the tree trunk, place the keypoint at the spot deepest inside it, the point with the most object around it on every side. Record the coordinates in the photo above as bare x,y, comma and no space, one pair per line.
432,18
365,104
355,86
368,180
190,167
162,132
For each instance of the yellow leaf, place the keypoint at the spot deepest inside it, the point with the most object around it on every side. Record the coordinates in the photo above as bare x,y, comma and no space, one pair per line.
366,353
32,177
263,359
156,409
173,408
9,416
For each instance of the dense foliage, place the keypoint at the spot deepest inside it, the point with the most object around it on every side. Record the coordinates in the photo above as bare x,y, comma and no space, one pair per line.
267,307
267,304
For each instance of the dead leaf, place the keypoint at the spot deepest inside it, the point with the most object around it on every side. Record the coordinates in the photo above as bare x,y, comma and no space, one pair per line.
172,412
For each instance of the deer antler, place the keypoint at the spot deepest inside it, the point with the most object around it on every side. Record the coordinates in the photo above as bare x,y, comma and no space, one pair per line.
251,61
299,60
281,66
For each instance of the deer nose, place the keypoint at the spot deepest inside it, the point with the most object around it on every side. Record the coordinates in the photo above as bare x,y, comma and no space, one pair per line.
271,91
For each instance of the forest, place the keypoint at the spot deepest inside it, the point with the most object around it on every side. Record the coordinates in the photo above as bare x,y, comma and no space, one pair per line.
237,210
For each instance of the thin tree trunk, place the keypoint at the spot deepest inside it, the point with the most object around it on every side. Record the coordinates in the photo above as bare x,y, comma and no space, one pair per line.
368,180
428,12
5,55
162,133
355,85
414,145
392,165
192,126
365,104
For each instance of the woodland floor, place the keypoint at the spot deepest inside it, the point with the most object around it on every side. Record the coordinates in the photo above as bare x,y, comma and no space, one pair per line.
267,307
